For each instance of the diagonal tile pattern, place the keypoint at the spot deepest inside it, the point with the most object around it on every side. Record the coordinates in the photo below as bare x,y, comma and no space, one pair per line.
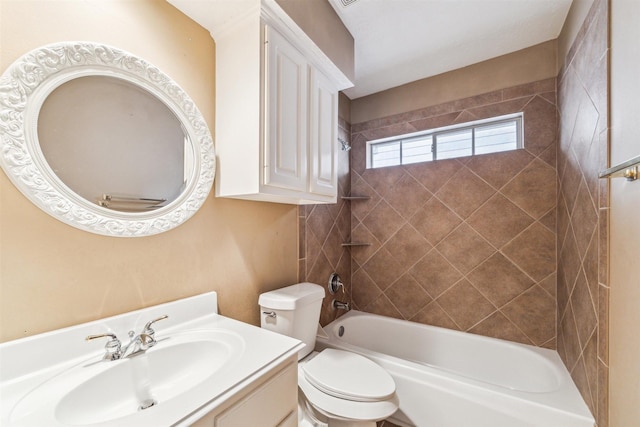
383,221
435,221
465,192
433,314
512,221
436,176
321,231
383,267
407,196
512,280
457,301
500,168
534,251
408,296
534,308
465,248
407,246
441,232
533,189
435,273
537,219
583,204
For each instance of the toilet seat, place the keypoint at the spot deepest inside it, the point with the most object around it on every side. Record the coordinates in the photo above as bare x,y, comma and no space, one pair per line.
350,376
332,404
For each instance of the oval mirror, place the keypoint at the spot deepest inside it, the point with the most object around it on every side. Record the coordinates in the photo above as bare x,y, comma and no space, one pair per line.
103,141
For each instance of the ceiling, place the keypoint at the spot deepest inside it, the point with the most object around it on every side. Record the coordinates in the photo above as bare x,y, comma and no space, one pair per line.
400,41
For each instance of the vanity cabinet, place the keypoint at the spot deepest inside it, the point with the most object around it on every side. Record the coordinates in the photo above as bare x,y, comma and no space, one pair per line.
276,104
269,401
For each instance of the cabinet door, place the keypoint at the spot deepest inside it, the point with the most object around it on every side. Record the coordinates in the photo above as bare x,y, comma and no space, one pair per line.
286,134
273,404
323,155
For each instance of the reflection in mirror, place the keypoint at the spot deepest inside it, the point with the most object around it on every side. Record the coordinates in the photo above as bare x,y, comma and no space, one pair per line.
103,141
113,143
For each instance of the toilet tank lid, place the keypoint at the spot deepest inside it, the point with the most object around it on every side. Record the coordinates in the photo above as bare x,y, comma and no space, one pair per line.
291,297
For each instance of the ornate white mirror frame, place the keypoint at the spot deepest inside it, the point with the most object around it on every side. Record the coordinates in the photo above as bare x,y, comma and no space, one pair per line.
26,84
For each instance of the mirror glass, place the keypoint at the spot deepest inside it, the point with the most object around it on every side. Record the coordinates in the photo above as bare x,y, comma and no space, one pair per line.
103,141
113,143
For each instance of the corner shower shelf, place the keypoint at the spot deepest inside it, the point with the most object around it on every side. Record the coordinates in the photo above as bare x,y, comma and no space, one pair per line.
355,197
349,244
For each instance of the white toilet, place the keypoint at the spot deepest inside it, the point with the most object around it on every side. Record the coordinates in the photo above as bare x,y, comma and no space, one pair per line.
335,388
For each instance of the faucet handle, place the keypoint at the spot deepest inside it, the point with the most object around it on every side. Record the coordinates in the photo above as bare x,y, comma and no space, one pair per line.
112,347
335,284
146,341
148,330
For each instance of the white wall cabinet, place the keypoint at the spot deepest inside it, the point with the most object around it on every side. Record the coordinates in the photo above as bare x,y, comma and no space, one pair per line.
301,119
276,104
287,120
323,142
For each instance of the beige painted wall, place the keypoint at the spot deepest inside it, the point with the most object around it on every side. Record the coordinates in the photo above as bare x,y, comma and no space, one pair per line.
53,275
524,66
344,107
322,24
624,347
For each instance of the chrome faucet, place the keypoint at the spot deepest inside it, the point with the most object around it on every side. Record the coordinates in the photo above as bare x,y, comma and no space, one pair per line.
147,328
137,343
113,347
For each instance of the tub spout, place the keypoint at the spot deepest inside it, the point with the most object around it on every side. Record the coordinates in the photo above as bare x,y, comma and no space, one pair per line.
339,305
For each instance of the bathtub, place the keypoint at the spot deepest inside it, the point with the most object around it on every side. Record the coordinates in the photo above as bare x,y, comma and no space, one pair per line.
447,378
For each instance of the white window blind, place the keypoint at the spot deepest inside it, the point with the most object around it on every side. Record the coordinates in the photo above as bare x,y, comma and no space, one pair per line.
468,139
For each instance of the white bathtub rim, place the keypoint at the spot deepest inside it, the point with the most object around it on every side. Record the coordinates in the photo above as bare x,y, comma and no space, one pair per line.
551,356
560,400
540,355
565,399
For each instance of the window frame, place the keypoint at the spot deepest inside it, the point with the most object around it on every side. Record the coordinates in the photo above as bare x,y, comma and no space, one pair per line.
434,133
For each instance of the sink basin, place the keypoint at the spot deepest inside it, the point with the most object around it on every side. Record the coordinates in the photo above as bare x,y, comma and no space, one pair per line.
106,391
201,363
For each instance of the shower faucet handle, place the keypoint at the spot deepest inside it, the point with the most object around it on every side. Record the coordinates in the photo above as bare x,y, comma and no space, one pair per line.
335,284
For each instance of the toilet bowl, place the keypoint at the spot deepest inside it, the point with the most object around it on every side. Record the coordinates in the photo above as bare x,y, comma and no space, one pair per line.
345,388
336,388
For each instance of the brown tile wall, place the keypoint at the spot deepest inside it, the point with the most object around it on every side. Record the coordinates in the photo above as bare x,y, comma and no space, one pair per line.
442,232
321,230
469,243
583,205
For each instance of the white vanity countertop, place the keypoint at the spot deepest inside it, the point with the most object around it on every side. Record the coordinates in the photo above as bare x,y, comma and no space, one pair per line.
27,364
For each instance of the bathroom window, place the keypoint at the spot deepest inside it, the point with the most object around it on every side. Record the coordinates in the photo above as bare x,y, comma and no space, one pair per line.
494,135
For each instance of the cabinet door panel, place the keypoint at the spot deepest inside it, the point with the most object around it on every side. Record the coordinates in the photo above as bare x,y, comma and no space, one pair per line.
323,177
270,405
285,161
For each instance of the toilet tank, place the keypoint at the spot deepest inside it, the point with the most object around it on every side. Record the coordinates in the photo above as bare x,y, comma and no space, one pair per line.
293,311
